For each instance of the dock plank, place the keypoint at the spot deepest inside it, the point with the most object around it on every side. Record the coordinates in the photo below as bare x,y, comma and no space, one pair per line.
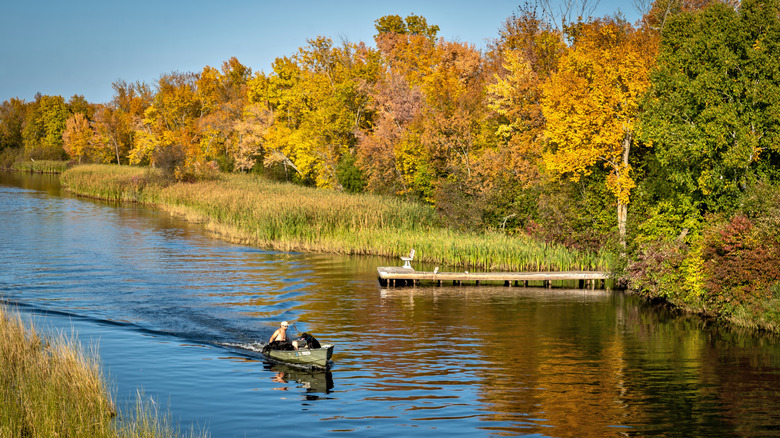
394,275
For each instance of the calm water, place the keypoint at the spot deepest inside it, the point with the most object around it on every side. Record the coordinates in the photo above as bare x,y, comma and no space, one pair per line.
168,308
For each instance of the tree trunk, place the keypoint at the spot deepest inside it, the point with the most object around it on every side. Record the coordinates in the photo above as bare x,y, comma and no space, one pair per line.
622,212
622,207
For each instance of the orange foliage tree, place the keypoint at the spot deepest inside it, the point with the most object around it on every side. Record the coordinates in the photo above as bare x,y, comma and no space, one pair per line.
591,104
429,129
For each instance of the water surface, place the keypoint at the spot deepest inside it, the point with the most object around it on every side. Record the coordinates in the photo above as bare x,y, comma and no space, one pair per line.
168,309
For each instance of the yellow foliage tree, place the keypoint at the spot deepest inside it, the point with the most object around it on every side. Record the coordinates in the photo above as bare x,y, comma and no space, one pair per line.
591,103
318,98
524,56
77,137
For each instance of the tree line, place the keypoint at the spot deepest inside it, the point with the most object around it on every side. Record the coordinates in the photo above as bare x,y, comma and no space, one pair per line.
657,138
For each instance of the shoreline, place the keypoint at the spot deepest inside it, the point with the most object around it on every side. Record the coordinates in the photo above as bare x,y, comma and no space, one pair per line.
228,218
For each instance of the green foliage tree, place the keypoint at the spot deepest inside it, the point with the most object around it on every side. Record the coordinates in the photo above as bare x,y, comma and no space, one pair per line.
44,125
78,104
411,25
713,113
13,113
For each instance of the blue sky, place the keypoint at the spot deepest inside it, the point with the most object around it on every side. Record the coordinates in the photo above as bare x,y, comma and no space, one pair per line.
81,47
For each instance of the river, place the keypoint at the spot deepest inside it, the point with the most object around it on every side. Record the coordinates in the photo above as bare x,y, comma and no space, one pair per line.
168,309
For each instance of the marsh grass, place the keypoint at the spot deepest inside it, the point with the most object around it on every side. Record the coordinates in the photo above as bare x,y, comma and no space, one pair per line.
50,387
250,210
41,166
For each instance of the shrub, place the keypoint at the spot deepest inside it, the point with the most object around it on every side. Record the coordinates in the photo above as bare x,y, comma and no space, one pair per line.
349,175
656,270
168,158
741,264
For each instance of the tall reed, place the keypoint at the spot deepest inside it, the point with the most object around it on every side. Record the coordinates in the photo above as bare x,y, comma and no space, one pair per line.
50,387
254,211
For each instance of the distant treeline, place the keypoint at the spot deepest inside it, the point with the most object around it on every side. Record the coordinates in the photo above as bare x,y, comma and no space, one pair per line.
659,139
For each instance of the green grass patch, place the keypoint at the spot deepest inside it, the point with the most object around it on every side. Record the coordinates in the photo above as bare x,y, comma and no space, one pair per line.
251,210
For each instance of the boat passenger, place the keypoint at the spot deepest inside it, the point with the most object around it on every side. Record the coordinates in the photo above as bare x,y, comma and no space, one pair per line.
281,335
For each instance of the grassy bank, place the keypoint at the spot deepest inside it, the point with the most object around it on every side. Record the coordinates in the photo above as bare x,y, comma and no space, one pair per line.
253,211
50,387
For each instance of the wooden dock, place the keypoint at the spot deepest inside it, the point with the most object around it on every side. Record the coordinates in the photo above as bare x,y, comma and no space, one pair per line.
398,276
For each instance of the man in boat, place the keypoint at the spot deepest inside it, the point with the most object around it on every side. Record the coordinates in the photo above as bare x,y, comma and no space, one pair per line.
280,335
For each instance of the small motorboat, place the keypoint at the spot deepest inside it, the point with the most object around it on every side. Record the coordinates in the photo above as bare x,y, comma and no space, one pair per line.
309,355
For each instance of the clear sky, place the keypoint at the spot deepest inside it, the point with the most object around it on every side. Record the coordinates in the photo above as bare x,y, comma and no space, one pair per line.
81,47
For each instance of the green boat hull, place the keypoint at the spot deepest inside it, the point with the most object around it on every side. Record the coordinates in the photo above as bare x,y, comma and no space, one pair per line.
316,358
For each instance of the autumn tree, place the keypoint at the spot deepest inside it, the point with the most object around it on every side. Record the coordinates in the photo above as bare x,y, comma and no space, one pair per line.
167,135
411,25
319,101
77,138
429,105
456,135
114,122
524,56
112,131
390,152
250,132
223,96
658,12
591,104
397,106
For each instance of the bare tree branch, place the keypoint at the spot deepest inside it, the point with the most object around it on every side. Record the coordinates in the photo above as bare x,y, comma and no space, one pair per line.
567,11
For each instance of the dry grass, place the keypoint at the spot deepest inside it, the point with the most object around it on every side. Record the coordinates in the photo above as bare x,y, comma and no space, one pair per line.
49,387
